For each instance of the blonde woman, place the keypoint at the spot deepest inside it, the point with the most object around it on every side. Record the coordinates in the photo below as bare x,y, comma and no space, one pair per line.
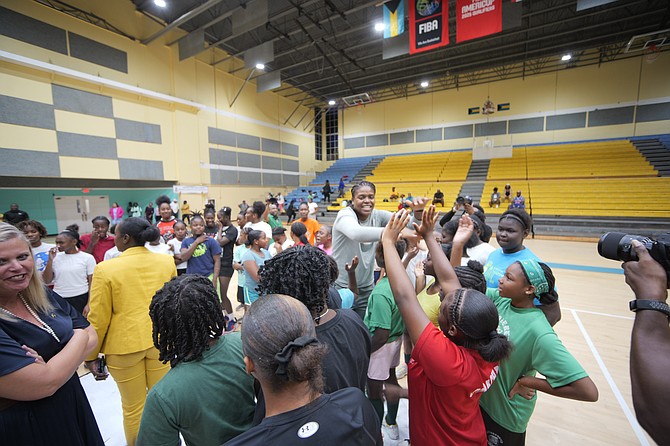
42,342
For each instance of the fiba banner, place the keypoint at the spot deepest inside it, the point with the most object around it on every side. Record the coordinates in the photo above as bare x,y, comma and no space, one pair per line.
477,18
428,22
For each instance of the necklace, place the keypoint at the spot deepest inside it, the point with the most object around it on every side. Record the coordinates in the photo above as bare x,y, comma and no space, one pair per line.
318,318
42,325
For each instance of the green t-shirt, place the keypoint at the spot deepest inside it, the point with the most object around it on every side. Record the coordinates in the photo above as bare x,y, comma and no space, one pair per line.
537,348
209,401
382,311
274,222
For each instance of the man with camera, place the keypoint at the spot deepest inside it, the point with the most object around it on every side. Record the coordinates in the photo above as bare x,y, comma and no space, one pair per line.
650,343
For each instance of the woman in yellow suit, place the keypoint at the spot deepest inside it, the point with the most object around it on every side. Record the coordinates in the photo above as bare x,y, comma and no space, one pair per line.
121,291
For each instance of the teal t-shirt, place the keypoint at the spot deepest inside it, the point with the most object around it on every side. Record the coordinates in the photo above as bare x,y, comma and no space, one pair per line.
274,222
537,348
382,311
209,401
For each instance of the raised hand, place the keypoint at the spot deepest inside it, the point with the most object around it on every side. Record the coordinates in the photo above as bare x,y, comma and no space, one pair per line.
430,216
396,224
351,267
465,230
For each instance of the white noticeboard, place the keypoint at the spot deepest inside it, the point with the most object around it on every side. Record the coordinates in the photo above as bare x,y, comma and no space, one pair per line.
190,189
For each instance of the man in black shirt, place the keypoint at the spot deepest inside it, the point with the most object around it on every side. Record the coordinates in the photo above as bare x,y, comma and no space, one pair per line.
14,215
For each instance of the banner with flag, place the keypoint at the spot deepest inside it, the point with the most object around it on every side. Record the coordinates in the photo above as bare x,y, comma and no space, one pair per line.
394,18
428,23
477,18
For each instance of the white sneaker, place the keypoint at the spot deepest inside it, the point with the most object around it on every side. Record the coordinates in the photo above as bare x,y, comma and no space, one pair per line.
401,371
392,430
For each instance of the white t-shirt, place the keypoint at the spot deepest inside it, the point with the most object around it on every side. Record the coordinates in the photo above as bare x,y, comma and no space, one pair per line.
161,248
176,247
41,255
71,273
111,253
479,253
261,226
284,246
312,208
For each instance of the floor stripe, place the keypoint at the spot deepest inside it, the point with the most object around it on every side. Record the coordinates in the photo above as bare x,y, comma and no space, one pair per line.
592,269
624,406
631,318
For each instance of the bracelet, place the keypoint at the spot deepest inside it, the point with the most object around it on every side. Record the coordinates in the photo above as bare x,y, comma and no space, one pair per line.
636,305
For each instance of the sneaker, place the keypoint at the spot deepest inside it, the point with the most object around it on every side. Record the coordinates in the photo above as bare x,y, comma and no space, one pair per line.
230,324
392,430
401,371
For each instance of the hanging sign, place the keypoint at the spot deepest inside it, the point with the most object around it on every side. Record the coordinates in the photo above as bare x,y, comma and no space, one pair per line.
428,23
477,18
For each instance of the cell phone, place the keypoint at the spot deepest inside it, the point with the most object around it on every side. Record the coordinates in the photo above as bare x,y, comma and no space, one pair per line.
102,369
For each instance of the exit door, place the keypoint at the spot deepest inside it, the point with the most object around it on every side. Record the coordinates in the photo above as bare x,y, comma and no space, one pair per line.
80,210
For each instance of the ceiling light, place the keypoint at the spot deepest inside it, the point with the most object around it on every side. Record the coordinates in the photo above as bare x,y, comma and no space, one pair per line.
260,66
566,57
332,102
160,3
424,84
379,27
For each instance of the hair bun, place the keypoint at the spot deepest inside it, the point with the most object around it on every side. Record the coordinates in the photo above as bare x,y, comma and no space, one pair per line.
475,265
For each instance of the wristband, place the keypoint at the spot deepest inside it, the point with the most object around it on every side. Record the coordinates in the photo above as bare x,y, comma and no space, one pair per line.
636,305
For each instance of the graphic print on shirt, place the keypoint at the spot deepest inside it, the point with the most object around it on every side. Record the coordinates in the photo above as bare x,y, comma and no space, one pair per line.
489,382
200,250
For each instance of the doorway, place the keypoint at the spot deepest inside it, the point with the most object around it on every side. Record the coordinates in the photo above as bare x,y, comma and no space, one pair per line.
80,210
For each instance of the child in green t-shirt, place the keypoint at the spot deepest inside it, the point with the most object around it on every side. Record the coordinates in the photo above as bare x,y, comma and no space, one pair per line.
386,326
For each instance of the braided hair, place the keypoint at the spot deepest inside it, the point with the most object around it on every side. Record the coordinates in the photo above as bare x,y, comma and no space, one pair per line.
476,318
186,316
302,272
472,276
363,183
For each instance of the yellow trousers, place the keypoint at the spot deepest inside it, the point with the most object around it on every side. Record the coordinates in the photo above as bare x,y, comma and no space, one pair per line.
135,374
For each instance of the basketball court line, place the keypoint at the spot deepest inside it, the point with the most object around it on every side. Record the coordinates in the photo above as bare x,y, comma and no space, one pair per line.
639,433
598,313
591,269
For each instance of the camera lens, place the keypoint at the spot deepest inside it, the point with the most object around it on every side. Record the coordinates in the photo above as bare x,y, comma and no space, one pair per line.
619,246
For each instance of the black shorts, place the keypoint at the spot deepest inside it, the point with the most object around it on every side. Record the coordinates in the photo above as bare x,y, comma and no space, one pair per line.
226,270
499,436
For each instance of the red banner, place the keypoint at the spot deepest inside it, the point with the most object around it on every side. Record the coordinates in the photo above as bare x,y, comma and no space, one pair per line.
477,18
428,23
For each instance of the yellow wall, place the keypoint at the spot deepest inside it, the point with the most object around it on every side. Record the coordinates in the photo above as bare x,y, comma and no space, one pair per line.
618,83
155,67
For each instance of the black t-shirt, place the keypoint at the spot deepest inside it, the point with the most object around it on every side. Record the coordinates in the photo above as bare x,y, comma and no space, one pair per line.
334,299
346,362
348,357
345,417
15,217
227,251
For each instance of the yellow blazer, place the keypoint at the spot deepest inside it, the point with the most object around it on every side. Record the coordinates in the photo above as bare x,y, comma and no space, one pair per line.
121,291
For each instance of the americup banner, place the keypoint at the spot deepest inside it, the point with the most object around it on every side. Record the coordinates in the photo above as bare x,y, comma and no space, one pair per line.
428,22
477,18
394,18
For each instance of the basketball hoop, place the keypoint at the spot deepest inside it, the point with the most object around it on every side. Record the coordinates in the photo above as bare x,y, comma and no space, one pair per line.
651,53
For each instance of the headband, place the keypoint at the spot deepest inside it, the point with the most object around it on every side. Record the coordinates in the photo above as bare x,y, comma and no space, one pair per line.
533,272
284,356
514,217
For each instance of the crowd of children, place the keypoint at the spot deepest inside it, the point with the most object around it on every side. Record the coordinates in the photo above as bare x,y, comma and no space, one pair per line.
476,323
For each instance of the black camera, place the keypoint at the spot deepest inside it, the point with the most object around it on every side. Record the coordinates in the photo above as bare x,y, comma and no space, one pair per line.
619,246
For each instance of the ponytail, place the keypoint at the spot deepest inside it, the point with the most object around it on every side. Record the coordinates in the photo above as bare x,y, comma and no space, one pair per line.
476,317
